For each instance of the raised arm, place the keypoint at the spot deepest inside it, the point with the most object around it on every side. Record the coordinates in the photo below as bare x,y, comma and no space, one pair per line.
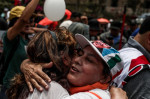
23,20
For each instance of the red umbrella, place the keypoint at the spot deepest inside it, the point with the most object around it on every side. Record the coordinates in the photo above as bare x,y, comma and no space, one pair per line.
103,20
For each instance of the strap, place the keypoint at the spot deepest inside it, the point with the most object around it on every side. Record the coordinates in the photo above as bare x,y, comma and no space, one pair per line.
135,71
95,94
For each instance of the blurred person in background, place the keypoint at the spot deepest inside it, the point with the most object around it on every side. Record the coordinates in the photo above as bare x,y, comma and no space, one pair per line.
132,27
135,78
112,37
19,28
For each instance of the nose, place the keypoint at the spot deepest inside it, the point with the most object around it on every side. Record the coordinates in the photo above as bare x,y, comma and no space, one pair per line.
77,60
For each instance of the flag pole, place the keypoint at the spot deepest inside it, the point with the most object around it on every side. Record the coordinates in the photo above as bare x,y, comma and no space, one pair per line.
122,28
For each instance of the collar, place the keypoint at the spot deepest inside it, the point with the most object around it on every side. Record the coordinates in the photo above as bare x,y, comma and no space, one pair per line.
88,87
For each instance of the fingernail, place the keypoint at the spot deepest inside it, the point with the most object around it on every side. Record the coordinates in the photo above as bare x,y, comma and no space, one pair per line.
49,80
46,87
31,91
41,89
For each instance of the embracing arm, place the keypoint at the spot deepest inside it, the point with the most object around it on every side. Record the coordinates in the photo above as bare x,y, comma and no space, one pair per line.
34,75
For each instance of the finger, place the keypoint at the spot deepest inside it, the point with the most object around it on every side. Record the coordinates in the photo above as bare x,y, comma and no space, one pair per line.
40,80
36,85
29,84
44,76
47,65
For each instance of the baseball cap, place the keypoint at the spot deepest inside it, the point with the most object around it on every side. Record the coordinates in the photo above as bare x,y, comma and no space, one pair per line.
16,12
108,54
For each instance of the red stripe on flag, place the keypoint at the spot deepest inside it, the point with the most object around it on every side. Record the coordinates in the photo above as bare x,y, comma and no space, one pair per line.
118,73
136,70
140,60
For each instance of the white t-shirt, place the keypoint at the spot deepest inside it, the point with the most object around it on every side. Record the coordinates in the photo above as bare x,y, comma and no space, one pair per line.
56,91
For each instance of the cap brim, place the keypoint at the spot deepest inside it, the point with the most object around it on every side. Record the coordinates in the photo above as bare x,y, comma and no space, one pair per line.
83,41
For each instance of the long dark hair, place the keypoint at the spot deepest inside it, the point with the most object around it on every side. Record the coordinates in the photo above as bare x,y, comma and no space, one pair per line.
43,48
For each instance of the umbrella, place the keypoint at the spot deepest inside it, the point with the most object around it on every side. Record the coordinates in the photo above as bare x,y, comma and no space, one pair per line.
103,20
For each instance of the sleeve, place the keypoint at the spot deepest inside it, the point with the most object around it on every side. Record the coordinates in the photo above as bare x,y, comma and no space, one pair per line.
139,86
56,91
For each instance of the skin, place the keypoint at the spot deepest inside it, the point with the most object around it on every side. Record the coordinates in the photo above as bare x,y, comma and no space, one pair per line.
144,40
22,25
84,70
117,93
87,67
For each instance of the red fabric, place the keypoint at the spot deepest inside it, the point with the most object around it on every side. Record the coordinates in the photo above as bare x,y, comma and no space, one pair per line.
17,2
68,14
51,24
118,73
103,20
140,60
95,95
135,71
88,87
45,22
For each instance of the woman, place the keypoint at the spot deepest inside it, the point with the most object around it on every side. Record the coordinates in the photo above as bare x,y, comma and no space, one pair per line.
45,47
90,74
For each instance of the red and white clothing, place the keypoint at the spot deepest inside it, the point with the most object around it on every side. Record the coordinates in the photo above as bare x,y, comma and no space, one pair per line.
133,63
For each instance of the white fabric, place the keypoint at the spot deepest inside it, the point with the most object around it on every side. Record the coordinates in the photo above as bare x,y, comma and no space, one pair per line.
104,94
127,55
56,91
66,23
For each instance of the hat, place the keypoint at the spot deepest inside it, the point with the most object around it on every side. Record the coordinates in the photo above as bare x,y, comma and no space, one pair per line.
108,54
16,12
116,25
94,24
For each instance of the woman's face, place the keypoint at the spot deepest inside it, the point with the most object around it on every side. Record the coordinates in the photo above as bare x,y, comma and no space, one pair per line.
87,68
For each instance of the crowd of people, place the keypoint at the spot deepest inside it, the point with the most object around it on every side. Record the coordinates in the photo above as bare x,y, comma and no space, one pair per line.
74,58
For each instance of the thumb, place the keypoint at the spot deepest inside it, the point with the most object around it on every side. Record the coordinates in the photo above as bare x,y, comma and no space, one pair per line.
47,65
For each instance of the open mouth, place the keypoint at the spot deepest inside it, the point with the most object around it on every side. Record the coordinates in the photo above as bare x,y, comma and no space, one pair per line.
74,69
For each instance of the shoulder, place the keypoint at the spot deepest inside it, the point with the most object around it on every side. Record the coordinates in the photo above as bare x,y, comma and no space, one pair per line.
56,91
104,34
130,53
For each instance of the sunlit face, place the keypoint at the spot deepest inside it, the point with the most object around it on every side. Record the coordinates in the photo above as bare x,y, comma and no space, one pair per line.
86,68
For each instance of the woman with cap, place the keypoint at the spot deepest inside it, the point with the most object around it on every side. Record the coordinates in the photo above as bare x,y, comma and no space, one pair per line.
16,39
92,70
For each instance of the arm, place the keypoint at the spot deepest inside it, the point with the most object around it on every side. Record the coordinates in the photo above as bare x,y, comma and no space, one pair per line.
34,75
23,20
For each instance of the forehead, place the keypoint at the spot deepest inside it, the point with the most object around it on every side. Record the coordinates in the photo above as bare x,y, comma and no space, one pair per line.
89,51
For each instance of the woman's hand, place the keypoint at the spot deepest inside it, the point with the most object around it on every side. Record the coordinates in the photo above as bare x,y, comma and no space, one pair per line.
34,75
117,93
